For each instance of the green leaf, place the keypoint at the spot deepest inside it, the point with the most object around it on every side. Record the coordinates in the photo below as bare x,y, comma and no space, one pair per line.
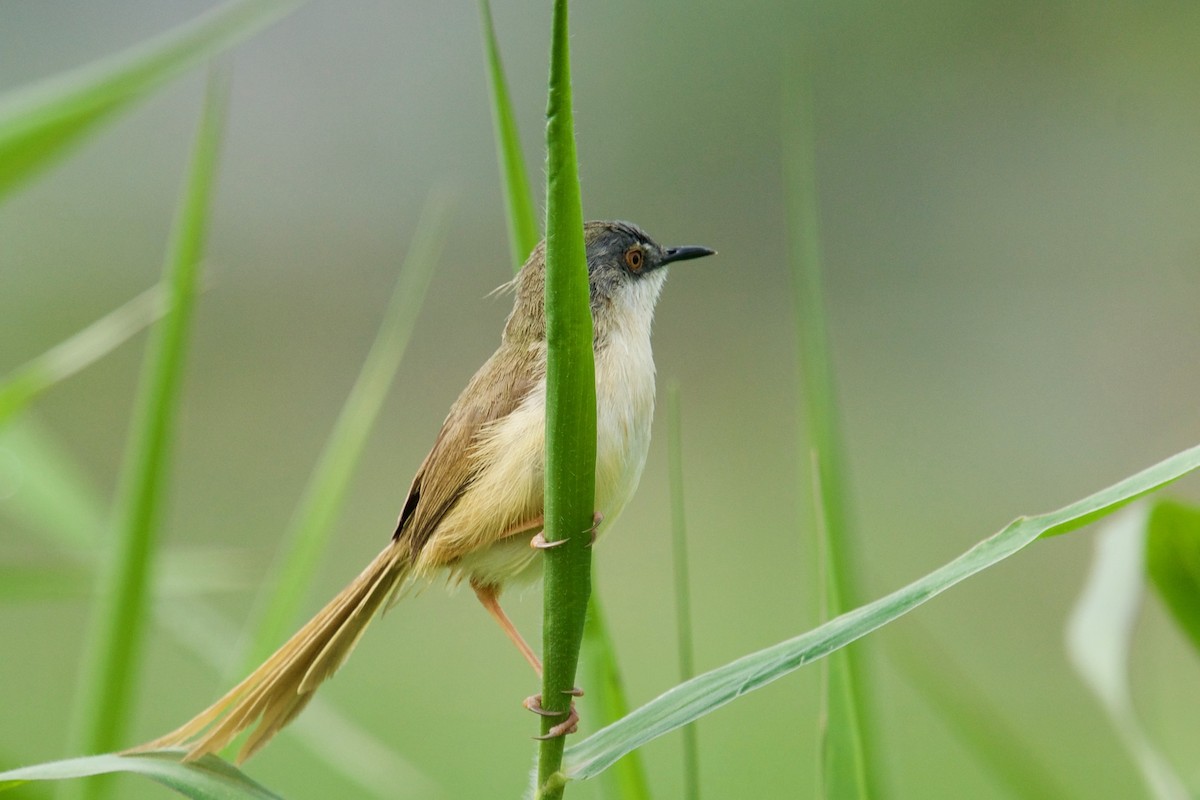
38,123
844,772
1173,562
23,385
702,695
208,778
312,523
570,411
121,612
1100,639
44,488
518,198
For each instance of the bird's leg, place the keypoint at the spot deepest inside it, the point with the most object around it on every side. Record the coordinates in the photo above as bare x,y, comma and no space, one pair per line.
489,596
538,542
534,524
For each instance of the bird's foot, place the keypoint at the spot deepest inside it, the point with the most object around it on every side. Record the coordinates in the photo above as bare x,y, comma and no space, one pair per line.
568,725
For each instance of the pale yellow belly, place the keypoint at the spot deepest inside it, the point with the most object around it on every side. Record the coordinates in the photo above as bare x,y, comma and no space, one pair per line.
624,412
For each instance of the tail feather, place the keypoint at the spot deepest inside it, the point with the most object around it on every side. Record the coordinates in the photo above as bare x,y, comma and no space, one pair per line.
337,649
283,685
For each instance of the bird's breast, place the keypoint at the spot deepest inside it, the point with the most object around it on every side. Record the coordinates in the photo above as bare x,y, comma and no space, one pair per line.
624,411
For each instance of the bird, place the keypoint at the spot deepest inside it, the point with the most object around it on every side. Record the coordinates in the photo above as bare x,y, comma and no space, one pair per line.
474,509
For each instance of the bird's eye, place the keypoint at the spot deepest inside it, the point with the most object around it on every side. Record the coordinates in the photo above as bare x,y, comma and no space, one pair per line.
634,258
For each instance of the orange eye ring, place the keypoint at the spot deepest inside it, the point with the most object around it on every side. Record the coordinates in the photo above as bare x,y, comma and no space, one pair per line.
635,258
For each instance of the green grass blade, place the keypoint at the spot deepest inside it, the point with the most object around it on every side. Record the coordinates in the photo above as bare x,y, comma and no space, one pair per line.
606,702
844,772
208,778
705,693
1173,562
121,607
518,197
76,521
570,410
26,383
1100,639
39,123
43,488
683,602
308,534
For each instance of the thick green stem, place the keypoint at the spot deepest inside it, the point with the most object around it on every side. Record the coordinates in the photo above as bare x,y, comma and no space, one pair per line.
570,412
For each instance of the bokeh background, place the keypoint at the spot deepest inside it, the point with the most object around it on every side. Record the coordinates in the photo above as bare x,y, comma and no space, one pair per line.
1010,195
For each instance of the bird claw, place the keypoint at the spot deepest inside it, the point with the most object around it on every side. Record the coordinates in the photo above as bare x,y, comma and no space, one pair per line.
568,725
538,542
594,531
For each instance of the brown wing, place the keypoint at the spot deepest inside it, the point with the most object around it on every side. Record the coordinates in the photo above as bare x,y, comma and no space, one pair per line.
494,391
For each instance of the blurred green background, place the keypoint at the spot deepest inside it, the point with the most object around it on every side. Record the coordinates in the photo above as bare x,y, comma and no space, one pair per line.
1010,196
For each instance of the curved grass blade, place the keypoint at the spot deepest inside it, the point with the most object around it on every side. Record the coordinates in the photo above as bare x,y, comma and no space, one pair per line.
1173,562
843,769
22,386
208,778
518,198
705,693
308,534
120,616
38,123
1100,639
570,411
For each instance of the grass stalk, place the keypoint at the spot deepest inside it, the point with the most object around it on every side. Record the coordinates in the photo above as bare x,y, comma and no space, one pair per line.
570,412
121,608
26,383
683,601
606,696
844,772
518,197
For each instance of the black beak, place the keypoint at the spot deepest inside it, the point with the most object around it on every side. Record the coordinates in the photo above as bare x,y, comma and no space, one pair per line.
684,253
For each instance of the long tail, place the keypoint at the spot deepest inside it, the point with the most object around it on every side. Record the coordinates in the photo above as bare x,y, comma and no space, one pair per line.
280,689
